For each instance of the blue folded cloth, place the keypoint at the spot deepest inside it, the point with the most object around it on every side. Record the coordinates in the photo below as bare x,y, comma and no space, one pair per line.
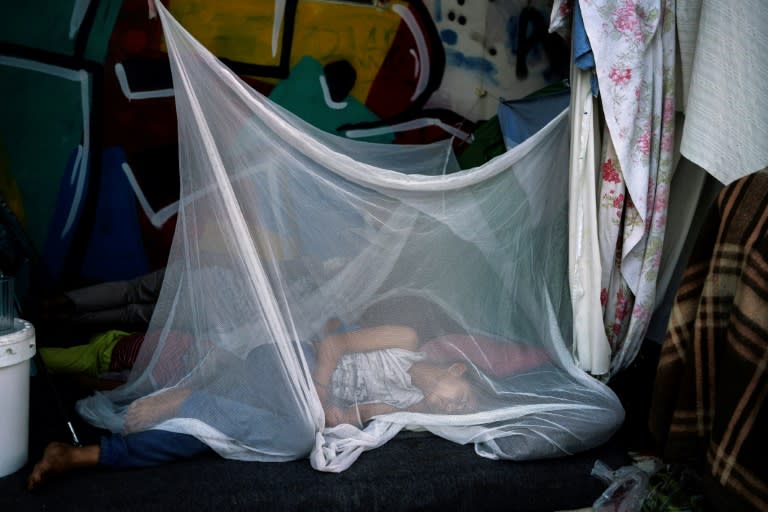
519,119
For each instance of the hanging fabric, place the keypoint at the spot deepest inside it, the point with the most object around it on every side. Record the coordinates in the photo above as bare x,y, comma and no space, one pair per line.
634,48
725,77
590,343
322,294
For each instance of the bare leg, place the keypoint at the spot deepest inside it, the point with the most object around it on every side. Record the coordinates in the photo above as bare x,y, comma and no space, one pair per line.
61,458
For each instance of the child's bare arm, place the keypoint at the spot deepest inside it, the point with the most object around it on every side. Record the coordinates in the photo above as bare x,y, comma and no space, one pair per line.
377,338
355,414
368,411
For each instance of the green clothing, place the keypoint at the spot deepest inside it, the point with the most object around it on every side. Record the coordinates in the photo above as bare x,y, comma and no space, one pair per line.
91,359
302,94
488,143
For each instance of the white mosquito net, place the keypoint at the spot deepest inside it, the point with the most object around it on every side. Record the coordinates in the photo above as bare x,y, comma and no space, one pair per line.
323,294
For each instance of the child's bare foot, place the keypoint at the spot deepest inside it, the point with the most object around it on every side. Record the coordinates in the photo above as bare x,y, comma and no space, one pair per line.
142,413
61,458
150,410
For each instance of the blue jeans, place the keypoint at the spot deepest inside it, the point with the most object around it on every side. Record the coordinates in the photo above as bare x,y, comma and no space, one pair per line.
148,448
260,413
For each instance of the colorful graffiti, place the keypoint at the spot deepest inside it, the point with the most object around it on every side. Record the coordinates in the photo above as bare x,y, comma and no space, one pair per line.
90,81
483,41
49,145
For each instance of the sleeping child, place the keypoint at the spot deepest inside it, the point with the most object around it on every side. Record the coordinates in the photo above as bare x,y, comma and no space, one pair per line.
357,374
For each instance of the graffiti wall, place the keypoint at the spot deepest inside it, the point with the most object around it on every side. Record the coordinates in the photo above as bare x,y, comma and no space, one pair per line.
88,151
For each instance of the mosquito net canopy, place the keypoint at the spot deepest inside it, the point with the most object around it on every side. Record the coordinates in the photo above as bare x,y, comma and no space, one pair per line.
323,294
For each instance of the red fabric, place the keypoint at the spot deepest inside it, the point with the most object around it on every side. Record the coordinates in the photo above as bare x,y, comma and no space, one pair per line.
125,352
177,347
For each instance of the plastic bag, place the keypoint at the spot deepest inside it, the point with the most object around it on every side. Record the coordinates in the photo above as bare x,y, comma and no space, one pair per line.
627,489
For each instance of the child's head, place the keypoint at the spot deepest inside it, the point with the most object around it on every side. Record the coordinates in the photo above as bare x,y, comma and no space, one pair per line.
452,393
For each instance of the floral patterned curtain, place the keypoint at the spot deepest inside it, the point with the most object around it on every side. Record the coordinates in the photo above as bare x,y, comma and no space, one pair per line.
633,42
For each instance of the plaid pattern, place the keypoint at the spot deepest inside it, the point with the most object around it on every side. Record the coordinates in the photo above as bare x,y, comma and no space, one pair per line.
711,384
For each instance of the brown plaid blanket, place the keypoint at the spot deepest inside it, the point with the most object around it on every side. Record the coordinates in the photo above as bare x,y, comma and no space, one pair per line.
708,403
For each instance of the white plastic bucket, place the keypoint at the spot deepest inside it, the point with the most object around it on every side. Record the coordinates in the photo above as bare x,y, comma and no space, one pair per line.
16,349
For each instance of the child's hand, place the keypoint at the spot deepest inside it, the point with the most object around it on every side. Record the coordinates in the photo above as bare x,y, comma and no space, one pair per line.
337,416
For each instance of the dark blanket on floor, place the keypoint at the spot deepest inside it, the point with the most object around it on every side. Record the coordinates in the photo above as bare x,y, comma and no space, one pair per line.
414,471
711,384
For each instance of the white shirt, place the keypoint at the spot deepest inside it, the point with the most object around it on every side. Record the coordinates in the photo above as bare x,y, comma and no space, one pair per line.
379,376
